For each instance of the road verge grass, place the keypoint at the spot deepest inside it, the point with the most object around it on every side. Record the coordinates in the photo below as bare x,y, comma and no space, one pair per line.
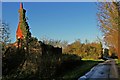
118,66
80,70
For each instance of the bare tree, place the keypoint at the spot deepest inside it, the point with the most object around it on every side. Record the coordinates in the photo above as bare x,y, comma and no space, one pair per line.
109,23
5,33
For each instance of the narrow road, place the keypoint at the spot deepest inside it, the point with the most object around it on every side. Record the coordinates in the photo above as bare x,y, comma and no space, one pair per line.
106,70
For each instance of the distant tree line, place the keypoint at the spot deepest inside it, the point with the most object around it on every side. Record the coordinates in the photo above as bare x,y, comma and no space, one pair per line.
85,50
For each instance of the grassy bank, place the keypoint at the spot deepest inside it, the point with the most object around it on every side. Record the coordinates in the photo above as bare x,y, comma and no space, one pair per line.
79,70
118,66
118,61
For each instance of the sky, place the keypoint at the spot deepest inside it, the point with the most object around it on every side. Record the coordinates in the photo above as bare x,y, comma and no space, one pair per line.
55,20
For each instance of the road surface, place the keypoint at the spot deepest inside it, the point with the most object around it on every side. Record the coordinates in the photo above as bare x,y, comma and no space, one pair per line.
104,71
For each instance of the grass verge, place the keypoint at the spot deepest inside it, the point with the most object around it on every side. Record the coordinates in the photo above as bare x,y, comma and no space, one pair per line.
80,70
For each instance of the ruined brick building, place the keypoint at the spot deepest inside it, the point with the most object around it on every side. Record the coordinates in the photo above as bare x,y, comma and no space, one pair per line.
23,35
40,59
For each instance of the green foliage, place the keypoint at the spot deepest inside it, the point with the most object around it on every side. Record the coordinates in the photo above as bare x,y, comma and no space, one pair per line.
88,50
24,25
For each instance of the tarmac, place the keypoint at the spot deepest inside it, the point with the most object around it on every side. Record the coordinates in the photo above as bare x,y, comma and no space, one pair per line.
102,71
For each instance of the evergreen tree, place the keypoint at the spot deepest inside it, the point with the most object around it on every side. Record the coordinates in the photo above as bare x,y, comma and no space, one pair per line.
23,29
